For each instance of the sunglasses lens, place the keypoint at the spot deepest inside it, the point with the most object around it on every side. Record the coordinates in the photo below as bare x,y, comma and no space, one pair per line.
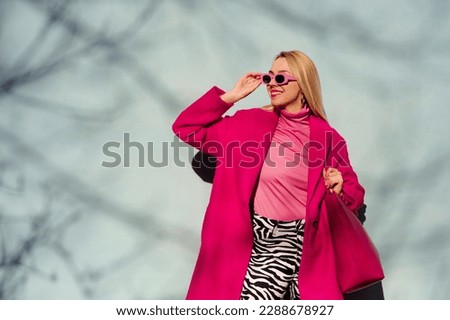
266,79
279,78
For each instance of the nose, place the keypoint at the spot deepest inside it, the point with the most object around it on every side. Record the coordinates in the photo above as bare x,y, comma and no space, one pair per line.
272,82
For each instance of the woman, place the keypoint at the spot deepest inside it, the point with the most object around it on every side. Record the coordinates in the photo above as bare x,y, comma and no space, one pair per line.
265,233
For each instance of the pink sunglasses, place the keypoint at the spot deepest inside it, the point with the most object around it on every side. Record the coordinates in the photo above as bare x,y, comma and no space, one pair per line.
280,78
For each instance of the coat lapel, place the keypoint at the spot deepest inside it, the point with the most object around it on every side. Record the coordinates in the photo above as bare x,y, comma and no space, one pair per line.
267,124
316,153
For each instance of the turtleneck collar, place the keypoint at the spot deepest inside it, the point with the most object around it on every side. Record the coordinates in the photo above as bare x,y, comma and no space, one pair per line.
302,114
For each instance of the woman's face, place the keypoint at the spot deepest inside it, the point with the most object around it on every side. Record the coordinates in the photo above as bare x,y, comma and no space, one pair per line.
287,96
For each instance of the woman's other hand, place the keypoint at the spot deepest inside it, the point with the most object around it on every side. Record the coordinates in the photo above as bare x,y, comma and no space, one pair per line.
333,180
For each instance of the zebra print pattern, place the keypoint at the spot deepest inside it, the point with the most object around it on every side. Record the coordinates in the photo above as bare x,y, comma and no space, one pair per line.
272,273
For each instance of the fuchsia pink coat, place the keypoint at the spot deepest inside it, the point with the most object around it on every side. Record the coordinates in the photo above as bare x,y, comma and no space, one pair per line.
240,143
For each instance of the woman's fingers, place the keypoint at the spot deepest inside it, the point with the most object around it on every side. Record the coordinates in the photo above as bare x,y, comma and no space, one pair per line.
243,87
333,179
247,84
252,79
255,75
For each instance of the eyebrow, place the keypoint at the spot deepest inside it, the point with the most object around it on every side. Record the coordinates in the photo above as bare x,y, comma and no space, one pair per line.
280,71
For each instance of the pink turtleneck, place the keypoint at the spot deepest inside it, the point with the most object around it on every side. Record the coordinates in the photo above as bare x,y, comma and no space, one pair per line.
282,188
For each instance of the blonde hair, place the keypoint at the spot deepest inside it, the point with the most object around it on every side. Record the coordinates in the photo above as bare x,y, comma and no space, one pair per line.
304,70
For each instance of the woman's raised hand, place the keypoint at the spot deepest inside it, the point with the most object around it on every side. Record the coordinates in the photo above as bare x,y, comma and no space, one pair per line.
243,87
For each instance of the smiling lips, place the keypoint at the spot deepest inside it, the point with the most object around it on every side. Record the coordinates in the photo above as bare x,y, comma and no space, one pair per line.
274,93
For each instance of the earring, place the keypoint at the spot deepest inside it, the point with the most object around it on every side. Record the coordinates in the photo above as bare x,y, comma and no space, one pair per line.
304,101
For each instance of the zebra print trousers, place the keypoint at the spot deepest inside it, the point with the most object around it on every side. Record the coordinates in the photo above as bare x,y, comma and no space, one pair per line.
272,273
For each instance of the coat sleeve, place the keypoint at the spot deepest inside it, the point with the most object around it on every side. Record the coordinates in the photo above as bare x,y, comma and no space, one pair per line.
352,191
202,124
